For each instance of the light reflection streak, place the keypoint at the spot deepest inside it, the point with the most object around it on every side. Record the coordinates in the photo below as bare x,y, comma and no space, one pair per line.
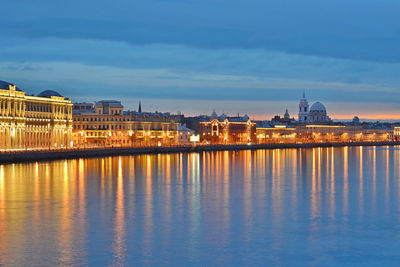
119,247
2,189
345,179
195,200
167,203
387,185
247,192
314,207
4,240
295,186
374,176
361,177
148,207
319,166
332,183
65,238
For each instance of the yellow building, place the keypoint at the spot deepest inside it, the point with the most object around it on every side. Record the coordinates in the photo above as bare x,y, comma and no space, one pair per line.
267,134
34,122
106,124
341,133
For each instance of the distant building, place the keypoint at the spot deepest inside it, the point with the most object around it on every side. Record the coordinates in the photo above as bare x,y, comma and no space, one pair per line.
268,133
316,114
28,121
108,107
184,134
356,121
227,130
82,107
283,120
107,124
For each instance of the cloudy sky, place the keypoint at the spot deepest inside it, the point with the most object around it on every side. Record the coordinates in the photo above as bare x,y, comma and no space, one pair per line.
246,56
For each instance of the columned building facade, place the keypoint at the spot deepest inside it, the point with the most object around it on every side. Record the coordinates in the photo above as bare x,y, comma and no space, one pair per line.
34,122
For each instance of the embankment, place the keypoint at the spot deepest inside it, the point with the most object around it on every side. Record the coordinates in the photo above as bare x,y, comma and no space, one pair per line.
32,156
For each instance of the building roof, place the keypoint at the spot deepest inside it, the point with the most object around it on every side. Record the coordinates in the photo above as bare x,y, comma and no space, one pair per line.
4,85
184,128
317,107
49,93
113,103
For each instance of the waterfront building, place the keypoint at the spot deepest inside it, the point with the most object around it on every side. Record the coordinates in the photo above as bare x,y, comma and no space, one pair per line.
227,130
184,134
396,133
316,114
267,133
28,121
107,124
341,133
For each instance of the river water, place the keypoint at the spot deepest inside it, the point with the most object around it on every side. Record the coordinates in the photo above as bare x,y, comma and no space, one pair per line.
318,207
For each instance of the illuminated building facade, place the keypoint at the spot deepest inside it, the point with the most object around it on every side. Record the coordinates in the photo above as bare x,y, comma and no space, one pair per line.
31,122
320,133
228,130
275,134
396,133
107,124
340,133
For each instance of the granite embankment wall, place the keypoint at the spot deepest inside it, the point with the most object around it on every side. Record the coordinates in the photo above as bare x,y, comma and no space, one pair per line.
32,156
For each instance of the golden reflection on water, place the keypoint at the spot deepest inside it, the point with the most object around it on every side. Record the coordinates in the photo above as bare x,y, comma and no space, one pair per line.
332,192
119,249
49,201
314,202
374,177
345,180
148,205
361,179
387,185
3,222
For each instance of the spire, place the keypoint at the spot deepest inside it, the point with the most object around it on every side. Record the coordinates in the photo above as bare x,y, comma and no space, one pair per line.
140,107
304,93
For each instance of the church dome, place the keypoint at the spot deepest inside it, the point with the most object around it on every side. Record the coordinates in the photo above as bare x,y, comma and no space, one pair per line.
49,93
317,107
4,85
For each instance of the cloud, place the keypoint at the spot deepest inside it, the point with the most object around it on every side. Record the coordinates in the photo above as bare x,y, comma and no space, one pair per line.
360,30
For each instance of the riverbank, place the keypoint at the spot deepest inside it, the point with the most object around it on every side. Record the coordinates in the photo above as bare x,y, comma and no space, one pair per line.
32,156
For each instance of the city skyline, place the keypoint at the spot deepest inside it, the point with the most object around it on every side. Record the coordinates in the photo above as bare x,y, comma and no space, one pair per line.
164,105
194,57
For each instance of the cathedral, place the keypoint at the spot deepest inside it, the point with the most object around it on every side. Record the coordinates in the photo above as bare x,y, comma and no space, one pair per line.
315,114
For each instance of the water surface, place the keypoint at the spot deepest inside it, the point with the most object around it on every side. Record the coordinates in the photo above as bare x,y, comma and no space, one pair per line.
321,206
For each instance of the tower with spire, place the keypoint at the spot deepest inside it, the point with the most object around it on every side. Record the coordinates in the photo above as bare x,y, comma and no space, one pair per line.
303,109
140,107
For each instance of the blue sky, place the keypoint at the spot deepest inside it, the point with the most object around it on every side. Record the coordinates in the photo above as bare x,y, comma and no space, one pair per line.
250,56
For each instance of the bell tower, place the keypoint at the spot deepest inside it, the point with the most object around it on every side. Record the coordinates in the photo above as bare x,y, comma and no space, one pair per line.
303,109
